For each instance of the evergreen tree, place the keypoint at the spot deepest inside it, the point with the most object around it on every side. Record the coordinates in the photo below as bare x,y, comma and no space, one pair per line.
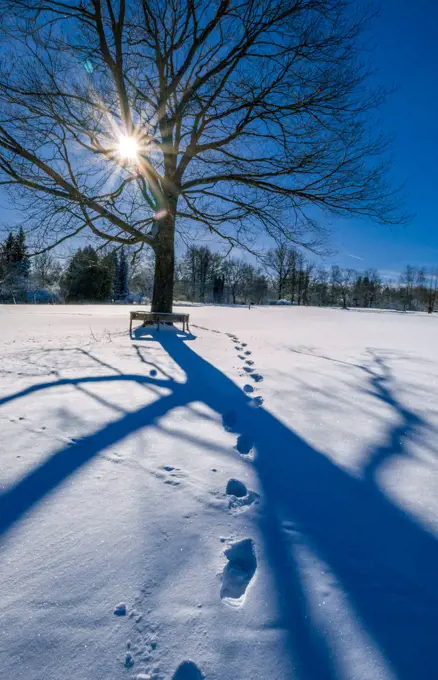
123,275
106,271
8,249
14,267
115,292
20,257
109,273
88,278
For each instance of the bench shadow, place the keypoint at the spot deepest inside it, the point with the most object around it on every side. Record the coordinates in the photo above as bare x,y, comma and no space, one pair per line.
384,561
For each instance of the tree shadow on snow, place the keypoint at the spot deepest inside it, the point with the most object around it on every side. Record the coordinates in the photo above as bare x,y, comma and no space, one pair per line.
384,561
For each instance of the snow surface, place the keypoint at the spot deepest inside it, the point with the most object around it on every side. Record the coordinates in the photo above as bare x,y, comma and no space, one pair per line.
125,553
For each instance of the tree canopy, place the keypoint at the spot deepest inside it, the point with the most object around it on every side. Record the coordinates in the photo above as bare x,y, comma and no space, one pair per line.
136,118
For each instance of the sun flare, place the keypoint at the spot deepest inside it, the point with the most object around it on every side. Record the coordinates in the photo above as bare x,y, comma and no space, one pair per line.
128,148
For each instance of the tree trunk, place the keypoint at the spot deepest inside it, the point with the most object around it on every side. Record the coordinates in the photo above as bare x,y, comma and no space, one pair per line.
162,296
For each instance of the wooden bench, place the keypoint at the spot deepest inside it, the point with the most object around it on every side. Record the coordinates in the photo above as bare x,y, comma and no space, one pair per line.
158,317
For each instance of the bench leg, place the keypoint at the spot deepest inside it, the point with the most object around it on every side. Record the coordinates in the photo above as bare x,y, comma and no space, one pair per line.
130,325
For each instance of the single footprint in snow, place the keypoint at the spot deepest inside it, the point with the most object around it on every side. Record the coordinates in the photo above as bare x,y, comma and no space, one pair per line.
172,482
239,571
238,347
120,609
240,356
256,401
244,344
173,477
248,369
257,377
188,671
248,353
248,388
240,499
244,444
236,488
229,420
249,362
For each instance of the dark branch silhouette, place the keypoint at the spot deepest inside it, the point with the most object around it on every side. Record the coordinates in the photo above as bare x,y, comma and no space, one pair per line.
249,117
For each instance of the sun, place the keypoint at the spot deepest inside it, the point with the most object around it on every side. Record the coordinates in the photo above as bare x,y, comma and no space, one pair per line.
128,148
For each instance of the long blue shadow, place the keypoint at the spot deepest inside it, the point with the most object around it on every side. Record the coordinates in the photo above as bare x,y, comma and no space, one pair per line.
385,562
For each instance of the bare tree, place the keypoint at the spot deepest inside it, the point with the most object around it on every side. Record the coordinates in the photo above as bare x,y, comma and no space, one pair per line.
46,270
200,266
235,272
136,118
280,262
341,281
321,287
432,290
408,278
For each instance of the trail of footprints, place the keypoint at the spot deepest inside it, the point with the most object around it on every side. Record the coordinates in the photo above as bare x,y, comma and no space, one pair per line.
241,564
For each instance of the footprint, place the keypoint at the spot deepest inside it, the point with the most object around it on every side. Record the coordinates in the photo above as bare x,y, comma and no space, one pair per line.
129,661
248,369
238,573
257,377
229,420
240,499
236,488
244,344
249,362
240,356
170,475
188,671
244,445
256,401
248,388
248,353
238,505
120,609
238,347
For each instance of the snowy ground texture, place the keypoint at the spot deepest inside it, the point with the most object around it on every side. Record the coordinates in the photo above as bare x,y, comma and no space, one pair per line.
255,500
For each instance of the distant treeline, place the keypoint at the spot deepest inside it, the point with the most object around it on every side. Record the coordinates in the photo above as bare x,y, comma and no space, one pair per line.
286,274
203,275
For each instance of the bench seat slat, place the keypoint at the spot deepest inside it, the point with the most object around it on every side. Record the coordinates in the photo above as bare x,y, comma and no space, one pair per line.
157,317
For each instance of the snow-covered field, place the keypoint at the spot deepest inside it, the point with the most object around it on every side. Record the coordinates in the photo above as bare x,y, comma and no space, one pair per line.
127,552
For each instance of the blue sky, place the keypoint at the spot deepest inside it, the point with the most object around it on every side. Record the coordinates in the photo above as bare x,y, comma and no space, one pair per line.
406,55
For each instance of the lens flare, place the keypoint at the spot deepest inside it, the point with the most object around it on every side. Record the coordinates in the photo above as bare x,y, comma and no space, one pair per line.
128,148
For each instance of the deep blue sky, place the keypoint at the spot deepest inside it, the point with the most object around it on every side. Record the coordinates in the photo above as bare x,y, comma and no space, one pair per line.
406,55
